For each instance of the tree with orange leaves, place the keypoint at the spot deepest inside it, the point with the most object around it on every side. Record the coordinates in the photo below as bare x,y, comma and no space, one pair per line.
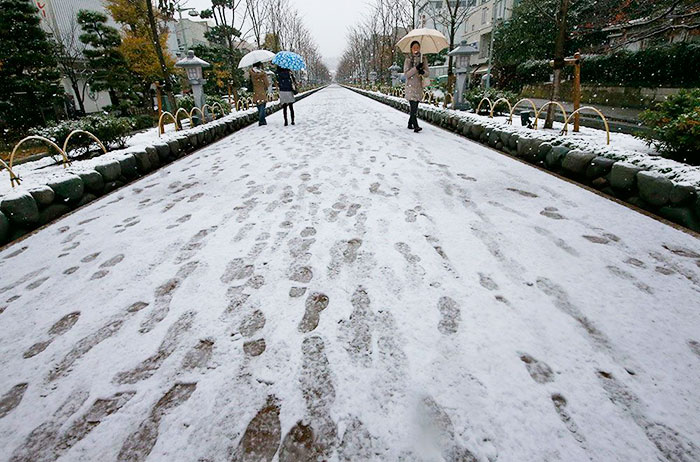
137,44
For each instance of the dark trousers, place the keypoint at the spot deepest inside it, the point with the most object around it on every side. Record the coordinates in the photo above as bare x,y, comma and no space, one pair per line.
413,119
261,114
291,110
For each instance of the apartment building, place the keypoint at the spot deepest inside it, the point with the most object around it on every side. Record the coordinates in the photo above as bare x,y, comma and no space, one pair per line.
185,34
58,19
477,26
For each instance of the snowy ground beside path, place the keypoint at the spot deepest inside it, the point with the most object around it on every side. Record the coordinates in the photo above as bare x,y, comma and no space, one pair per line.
347,290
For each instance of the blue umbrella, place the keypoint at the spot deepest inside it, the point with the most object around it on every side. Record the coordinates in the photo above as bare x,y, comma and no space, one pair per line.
289,60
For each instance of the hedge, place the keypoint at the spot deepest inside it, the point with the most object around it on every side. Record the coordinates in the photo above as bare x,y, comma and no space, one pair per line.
663,66
112,131
675,126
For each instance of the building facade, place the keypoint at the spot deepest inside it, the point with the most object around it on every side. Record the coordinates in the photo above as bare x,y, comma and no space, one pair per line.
58,19
639,34
479,18
185,34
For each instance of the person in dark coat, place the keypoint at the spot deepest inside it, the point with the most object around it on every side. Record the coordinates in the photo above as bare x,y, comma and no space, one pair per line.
287,88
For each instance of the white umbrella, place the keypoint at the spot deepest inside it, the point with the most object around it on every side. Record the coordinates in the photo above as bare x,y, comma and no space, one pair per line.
257,56
431,41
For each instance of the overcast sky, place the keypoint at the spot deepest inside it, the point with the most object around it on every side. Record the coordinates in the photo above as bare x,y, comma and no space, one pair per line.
328,21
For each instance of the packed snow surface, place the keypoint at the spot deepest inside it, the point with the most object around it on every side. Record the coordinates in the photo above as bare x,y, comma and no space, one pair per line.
347,290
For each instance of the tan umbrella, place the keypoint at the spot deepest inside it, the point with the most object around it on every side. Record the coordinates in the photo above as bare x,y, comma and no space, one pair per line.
431,41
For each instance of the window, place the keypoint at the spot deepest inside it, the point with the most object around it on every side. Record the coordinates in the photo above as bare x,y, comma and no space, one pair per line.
483,15
500,9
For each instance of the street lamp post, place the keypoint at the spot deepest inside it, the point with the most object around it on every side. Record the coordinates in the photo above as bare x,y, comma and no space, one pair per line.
492,41
462,55
193,66
192,12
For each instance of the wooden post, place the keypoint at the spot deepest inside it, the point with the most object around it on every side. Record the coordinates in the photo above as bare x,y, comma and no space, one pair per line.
576,63
577,91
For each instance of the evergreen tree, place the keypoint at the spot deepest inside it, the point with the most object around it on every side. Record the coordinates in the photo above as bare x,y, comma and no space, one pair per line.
533,31
28,71
110,70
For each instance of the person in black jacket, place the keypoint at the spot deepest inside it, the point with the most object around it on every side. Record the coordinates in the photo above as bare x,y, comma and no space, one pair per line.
287,88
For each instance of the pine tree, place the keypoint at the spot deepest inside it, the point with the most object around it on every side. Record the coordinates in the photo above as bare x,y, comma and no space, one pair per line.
110,71
28,71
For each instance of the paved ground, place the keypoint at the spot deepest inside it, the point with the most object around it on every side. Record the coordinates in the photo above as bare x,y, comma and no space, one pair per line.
347,290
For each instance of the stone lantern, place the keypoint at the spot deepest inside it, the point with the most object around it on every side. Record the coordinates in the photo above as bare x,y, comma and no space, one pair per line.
193,66
462,55
394,69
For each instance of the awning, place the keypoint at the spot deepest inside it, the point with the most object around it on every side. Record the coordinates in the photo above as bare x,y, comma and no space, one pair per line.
483,69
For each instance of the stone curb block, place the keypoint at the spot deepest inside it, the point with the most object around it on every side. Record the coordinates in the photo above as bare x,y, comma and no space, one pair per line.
654,188
68,189
20,209
93,181
623,176
129,167
577,162
110,171
43,195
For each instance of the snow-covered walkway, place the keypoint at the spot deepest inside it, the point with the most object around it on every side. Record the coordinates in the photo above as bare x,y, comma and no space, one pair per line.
345,289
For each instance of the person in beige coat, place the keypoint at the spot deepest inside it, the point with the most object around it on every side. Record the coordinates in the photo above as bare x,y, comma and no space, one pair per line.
260,84
415,68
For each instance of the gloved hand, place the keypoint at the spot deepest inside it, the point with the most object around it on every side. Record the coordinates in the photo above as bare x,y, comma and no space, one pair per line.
419,67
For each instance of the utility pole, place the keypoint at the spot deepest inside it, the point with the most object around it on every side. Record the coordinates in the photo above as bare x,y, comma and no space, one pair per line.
559,49
493,33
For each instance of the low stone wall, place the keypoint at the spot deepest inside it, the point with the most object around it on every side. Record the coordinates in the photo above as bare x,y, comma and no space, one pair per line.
628,97
23,212
645,189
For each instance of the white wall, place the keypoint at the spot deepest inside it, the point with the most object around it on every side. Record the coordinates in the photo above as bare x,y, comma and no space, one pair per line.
59,16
